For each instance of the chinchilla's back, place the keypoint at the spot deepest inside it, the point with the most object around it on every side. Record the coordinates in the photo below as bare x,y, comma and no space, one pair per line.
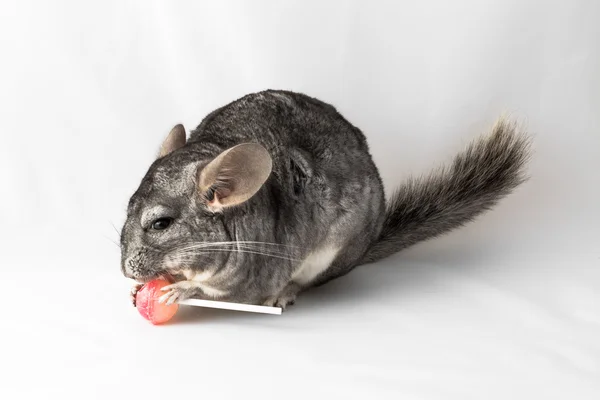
324,181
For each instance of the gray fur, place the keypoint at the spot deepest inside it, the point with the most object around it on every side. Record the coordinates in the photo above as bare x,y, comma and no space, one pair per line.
488,170
323,191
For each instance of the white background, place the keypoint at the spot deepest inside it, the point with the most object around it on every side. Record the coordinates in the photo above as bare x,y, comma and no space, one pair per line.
508,307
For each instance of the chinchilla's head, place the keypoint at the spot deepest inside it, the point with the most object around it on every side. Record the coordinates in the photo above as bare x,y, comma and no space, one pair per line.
178,206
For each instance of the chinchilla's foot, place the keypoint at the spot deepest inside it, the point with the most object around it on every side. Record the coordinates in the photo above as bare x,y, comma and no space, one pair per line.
287,297
133,292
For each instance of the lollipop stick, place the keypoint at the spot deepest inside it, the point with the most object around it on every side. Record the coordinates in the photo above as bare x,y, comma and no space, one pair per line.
231,306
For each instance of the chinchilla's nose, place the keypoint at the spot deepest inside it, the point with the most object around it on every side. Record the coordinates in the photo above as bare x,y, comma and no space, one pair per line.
134,262
126,268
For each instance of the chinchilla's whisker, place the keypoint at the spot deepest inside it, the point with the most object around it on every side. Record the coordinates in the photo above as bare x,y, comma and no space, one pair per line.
192,249
258,246
112,241
115,228
208,244
265,243
190,255
232,246
239,250
213,244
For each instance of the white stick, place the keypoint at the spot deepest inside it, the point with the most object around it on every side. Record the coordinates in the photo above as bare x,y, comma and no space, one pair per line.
231,306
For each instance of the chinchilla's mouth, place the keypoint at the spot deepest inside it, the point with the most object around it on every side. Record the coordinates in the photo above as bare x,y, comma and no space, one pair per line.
164,275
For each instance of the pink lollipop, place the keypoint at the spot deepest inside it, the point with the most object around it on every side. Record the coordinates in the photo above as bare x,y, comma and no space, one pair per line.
146,301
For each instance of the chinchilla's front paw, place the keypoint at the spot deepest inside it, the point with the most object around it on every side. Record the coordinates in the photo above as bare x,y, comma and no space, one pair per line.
178,291
133,293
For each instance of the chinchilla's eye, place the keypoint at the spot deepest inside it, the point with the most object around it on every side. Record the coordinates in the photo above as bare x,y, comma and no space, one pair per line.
210,194
161,223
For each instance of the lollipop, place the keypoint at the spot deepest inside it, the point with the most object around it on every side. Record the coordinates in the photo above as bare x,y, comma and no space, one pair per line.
146,301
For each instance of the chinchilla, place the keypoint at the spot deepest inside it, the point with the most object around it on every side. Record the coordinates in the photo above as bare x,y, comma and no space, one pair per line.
276,192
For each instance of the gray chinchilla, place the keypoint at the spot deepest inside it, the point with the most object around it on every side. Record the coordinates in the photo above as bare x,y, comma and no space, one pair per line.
277,192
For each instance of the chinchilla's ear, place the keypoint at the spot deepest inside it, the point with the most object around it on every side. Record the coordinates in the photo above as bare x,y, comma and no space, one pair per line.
174,140
234,176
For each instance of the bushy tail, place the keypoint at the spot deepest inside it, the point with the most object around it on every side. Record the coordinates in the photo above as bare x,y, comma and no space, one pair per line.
489,169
